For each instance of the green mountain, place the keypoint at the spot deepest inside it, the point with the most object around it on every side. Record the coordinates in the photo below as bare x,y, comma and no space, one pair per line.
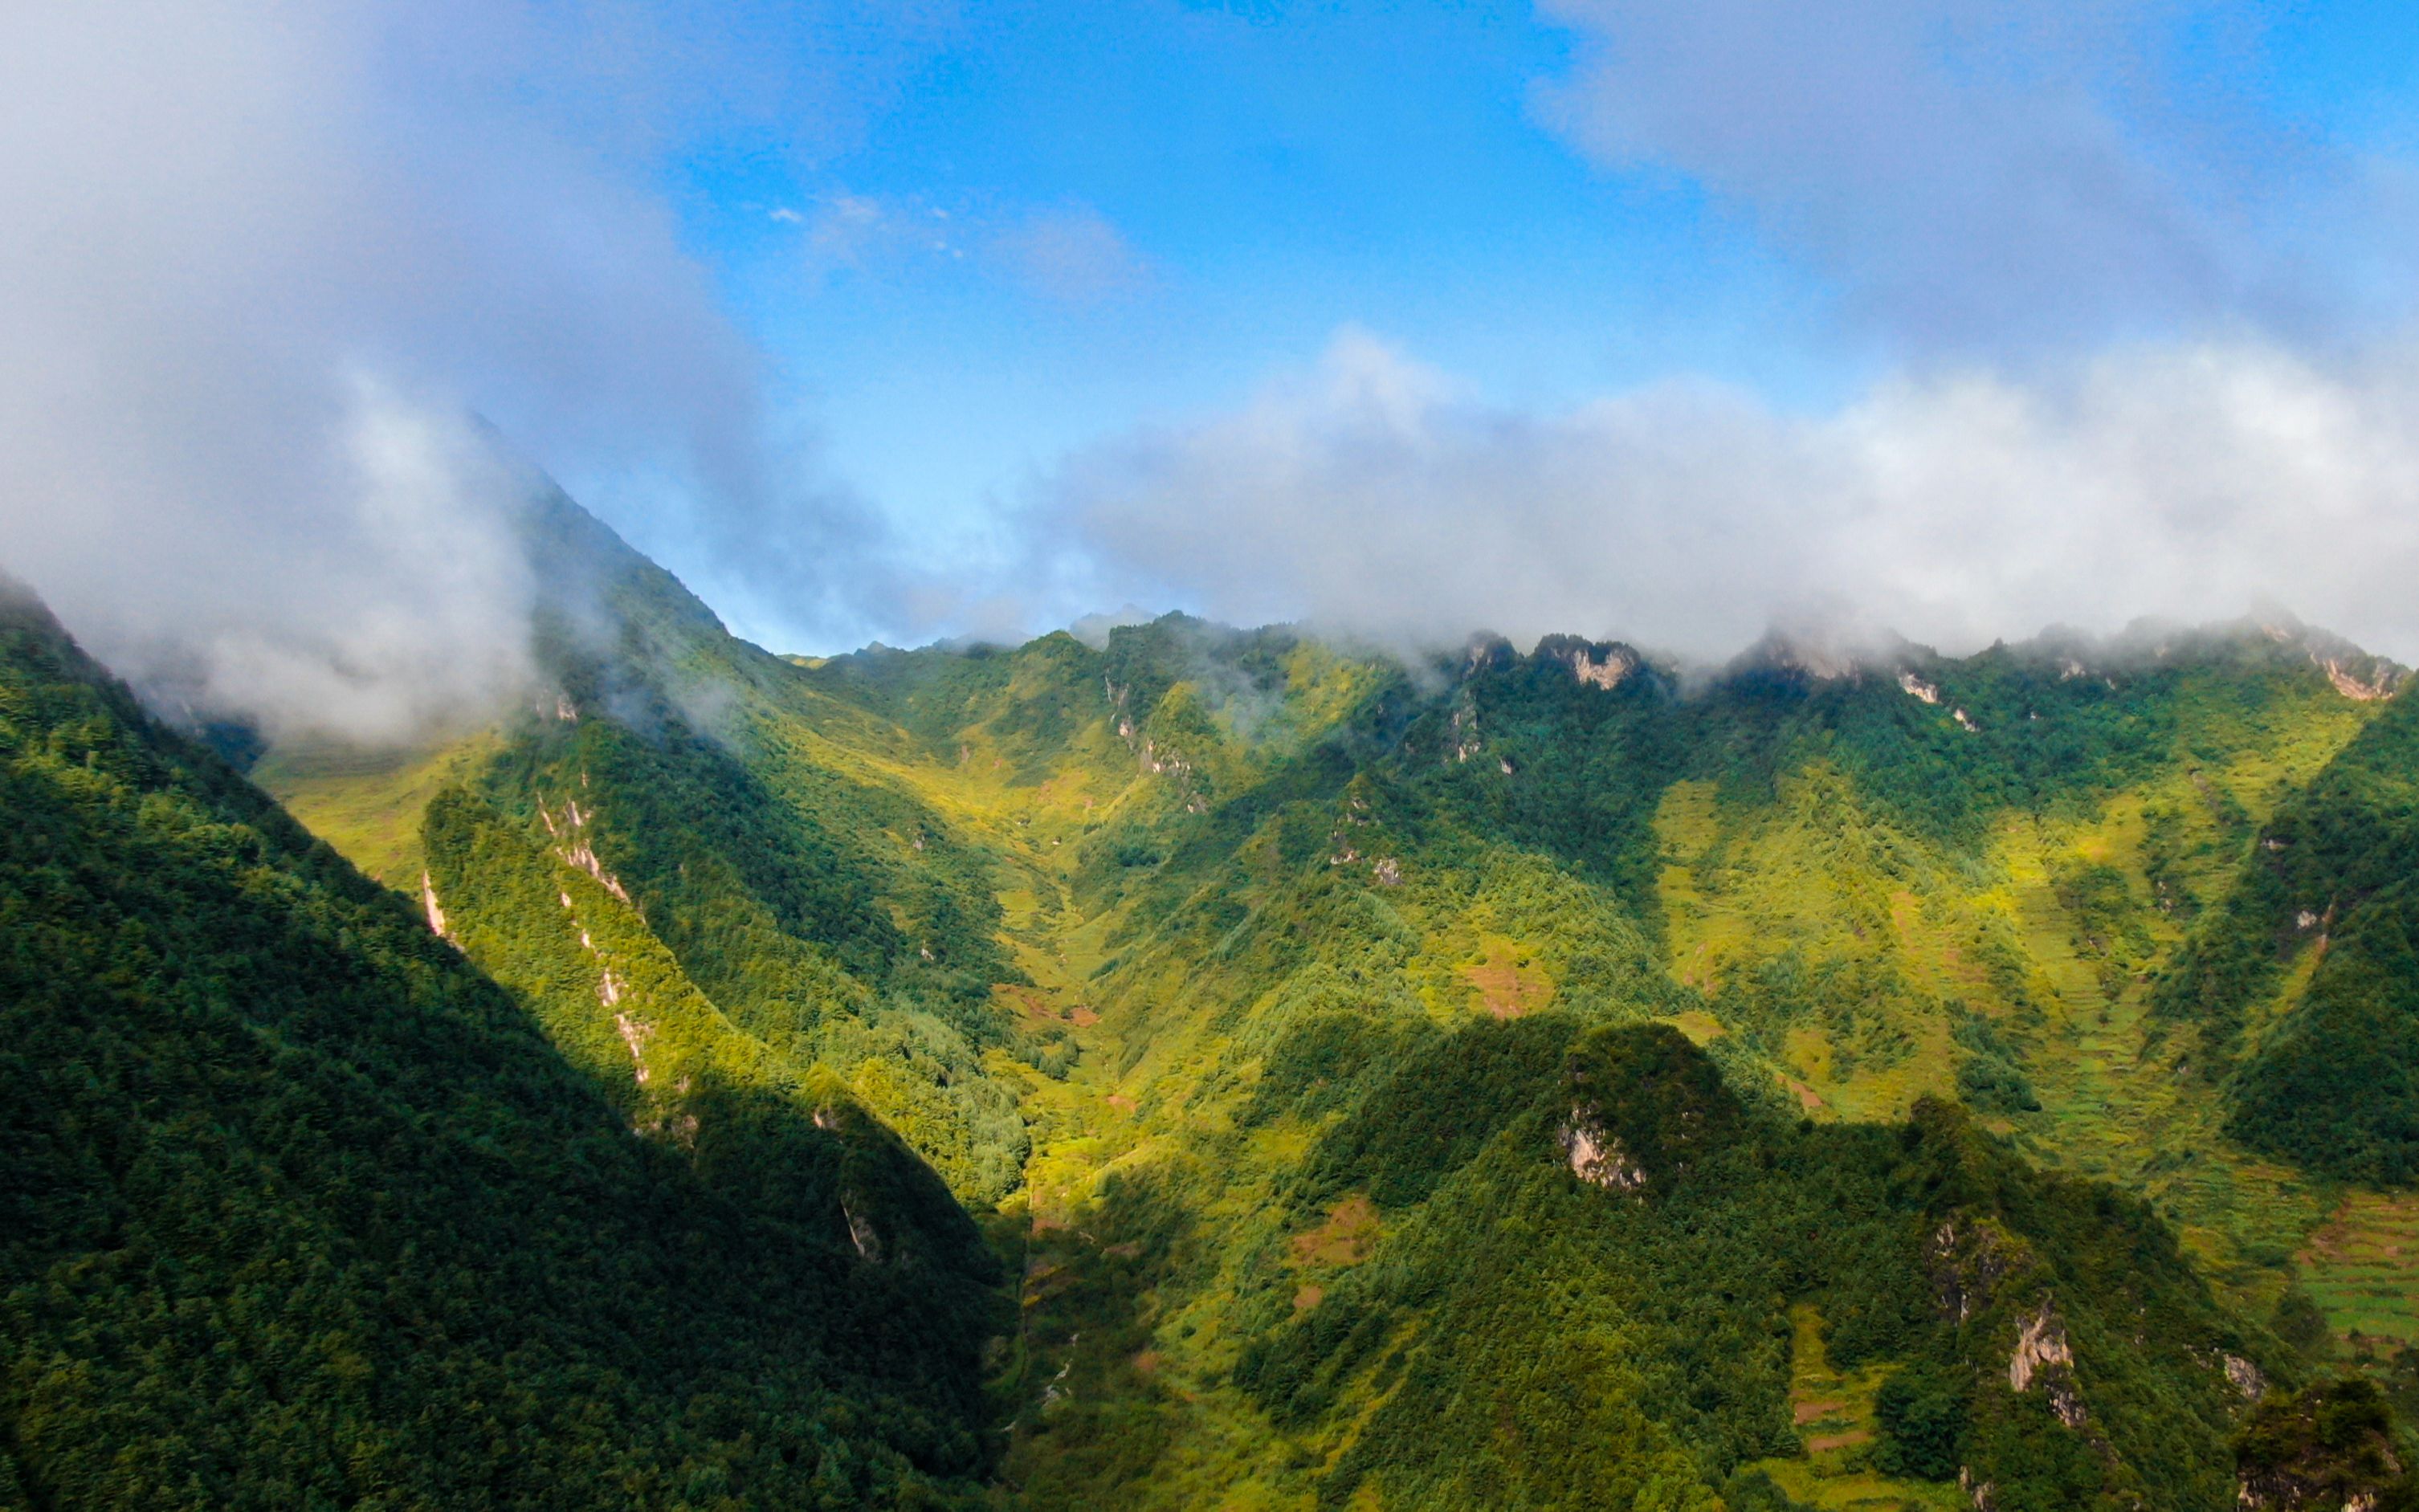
302,1209
1535,1079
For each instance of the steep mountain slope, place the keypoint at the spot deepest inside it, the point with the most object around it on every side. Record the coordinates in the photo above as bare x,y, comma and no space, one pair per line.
1608,1269
299,1209
1535,1078
682,850
2306,979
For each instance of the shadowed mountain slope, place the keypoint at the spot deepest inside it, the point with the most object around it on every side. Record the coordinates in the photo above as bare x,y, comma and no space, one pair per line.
301,1209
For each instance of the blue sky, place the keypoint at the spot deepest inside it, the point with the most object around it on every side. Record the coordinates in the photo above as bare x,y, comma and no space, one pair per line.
1249,180
1268,176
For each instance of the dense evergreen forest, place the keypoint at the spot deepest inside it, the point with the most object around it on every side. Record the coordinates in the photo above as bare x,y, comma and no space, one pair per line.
1199,1067
300,1209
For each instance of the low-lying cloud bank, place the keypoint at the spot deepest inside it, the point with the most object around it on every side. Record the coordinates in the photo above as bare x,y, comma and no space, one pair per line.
1370,493
2133,303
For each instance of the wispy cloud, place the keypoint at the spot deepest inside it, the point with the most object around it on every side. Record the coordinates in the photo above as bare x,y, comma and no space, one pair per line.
1071,254
863,233
1990,177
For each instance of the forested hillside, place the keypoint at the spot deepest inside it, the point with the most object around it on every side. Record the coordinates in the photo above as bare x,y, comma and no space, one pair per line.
1331,1218
2305,981
1511,1078
301,1209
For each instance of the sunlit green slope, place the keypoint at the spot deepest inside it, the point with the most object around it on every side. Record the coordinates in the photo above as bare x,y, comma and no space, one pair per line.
301,1209
687,857
1262,994
1855,888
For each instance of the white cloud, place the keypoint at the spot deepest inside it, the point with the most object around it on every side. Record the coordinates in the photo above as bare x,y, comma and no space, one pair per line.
1372,494
416,490
258,260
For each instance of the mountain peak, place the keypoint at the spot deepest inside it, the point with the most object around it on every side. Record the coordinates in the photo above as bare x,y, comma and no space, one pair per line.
1828,651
